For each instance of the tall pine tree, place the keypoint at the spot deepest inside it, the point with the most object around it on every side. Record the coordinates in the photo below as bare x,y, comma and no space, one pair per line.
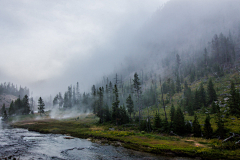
202,95
137,88
157,121
130,105
212,96
41,106
172,112
178,123
207,130
26,105
11,110
234,101
115,106
196,127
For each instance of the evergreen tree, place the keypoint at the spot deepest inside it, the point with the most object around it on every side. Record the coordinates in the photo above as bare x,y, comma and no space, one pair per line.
178,123
192,75
26,105
4,112
163,99
106,114
221,131
165,88
157,121
74,99
212,96
85,98
216,47
188,97
65,104
70,97
234,101
178,85
11,110
3,109
207,128
145,125
94,93
110,92
55,100
77,94
18,106
115,106
205,58
196,127
5,116
173,87
100,105
190,109
137,88
130,105
188,127
178,61
123,115
165,125
60,100
172,112
197,102
41,106
214,108
202,95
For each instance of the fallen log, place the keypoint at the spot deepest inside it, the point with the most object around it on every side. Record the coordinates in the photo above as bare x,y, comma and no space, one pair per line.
227,139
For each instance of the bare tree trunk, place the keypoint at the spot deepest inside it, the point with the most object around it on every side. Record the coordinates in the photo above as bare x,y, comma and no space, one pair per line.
163,100
139,110
148,124
157,101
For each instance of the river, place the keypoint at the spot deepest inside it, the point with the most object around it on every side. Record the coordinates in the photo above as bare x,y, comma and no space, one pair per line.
17,143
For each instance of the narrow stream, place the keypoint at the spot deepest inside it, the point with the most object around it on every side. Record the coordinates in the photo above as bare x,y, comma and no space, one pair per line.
23,144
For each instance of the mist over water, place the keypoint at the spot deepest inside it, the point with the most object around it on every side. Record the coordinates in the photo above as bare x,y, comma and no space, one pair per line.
56,113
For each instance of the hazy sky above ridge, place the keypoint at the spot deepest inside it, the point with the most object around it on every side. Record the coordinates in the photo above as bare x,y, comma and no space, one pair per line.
47,45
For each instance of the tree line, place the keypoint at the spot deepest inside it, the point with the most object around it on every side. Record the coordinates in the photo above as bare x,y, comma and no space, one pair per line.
9,88
22,106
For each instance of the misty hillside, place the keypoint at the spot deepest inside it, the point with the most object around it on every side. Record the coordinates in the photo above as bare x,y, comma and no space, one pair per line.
184,41
10,92
180,24
6,99
184,27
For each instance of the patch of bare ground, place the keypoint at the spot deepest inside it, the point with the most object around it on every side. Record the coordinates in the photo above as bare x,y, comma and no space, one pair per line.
196,143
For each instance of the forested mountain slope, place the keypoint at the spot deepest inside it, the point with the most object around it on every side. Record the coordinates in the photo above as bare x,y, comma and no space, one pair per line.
183,42
10,93
183,27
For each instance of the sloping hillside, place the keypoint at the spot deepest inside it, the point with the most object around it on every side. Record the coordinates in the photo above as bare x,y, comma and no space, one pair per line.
181,26
7,99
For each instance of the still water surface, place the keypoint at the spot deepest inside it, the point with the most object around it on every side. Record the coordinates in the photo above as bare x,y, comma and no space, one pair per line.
23,144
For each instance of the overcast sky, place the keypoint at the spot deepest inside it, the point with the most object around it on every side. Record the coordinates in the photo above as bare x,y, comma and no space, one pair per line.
47,45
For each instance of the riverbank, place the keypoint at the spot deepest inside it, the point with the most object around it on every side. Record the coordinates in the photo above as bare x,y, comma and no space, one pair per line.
129,138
